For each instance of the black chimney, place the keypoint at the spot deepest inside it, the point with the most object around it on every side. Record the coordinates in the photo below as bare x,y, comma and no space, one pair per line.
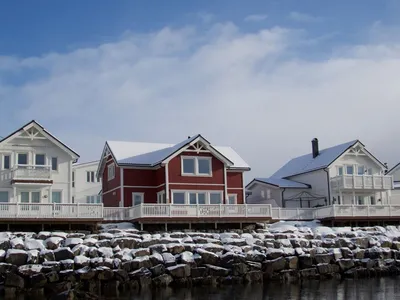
315,150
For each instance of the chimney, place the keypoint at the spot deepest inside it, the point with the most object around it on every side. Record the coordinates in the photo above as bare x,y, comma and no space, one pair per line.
315,150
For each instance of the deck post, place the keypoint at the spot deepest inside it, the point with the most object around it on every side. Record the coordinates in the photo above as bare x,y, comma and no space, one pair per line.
166,226
215,225
141,226
42,227
190,225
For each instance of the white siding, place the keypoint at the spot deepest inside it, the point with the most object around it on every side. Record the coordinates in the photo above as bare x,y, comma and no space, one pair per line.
349,159
317,180
396,174
260,193
83,188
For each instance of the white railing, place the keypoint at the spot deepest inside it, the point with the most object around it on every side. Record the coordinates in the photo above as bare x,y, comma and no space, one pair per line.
378,182
50,211
188,211
293,213
32,172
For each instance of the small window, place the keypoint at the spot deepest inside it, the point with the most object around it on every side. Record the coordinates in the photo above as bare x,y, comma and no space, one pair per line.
268,194
111,171
178,198
188,165
215,198
262,194
350,170
360,200
192,198
340,171
369,171
40,159
137,198
232,199
204,166
201,198
3,196
73,179
90,176
24,197
161,199
35,197
6,162
54,163
372,199
22,159
56,197
360,170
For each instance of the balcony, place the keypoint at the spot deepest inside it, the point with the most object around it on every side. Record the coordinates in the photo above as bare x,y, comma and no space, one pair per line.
368,182
31,174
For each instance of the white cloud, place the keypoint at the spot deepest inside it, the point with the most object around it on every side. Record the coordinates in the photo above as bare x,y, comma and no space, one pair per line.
235,88
302,17
256,18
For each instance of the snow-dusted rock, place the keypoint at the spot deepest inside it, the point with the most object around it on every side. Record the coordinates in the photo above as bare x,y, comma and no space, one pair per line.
16,257
53,242
32,244
71,242
105,252
17,243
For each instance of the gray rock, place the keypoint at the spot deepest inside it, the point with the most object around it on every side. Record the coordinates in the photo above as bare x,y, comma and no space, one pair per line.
163,280
157,270
71,242
179,271
169,259
16,257
217,271
14,280
63,254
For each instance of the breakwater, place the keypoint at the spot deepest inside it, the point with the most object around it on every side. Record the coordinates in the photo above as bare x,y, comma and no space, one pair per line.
86,265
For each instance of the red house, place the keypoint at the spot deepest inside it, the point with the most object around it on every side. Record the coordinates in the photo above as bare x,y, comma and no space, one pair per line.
188,173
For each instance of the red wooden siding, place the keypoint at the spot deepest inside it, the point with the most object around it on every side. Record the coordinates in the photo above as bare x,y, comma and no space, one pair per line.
235,179
112,199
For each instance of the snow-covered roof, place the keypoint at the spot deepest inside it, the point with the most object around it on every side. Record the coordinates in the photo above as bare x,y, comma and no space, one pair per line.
396,185
307,163
393,169
283,183
149,154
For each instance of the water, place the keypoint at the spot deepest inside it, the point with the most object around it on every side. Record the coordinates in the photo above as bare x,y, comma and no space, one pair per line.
362,289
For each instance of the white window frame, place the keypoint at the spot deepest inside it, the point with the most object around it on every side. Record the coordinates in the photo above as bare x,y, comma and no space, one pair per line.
161,199
111,171
61,196
93,199
196,165
234,197
17,156
361,166
197,197
8,195
51,164
30,197
137,194
73,179
3,159
92,176
354,169
44,162
187,192
340,168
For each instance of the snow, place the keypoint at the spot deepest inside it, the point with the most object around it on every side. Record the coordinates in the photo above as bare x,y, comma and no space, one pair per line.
122,225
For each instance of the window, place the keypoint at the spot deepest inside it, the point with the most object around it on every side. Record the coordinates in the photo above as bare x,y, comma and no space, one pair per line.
40,159
360,170
35,197
22,159
200,166
262,194
56,197
340,171
197,198
6,162
349,170
188,165
161,199
268,194
54,163
111,171
372,199
204,166
90,176
369,171
178,197
73,179
215,198
232,199
137,198
94,199
24,197
3,197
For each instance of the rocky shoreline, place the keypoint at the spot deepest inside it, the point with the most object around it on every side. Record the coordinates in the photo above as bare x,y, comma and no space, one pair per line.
84,265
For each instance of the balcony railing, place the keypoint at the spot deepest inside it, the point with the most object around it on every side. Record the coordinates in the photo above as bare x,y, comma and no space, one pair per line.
50,211
31,172
371,182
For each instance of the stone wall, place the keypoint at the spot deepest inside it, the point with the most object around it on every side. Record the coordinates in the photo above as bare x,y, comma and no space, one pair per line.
92,264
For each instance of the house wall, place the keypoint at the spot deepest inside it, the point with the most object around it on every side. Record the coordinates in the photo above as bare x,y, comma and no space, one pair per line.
111,195
260,195
82,188
317,180
349,159
61,178
396,174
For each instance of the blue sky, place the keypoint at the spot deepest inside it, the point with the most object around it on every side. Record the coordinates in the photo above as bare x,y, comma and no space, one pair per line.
275,72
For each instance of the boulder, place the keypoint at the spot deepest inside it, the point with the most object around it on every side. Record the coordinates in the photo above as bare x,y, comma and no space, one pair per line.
105,252
140,262
175,248
163,280
63,253
33,257
140,252
81,261
253,276
156,258
179,271
53,242
46,255
71,242
16,257
292,262
32,244
169,259
208,257
217,271
345,264
158,270
14,280
17,243
29,270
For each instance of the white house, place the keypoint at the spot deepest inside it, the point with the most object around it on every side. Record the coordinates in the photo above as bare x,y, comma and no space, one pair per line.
346,174
35,167
86,186
395,172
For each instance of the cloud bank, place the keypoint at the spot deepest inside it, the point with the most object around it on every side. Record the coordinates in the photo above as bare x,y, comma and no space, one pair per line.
254,91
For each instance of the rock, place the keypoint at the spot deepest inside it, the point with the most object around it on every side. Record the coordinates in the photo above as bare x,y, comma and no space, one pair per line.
158,248
274,253
208,257
63,254
217,271
2,255
71,242
142,276
59,234
345,264
52,277
67,264
121,275
292,262
14,280
253,276
175,248
38,280
255,256
305,261
156,258
81,261
140,252
274,265
169,259
49,266
310,273
86,273
125,242
5,244
105,252
157,270
53,242
46,255
33,257
323,258
140,262
32,244
29,270
16,257
104,273
163,280
239,269
179,271
17,243
187,258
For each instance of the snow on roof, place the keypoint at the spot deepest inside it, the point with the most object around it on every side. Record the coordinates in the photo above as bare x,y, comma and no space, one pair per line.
307,163
283,183
393,170
396,185
139,153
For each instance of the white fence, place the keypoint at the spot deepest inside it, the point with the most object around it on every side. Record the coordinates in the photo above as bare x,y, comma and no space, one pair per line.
32,172
378,182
